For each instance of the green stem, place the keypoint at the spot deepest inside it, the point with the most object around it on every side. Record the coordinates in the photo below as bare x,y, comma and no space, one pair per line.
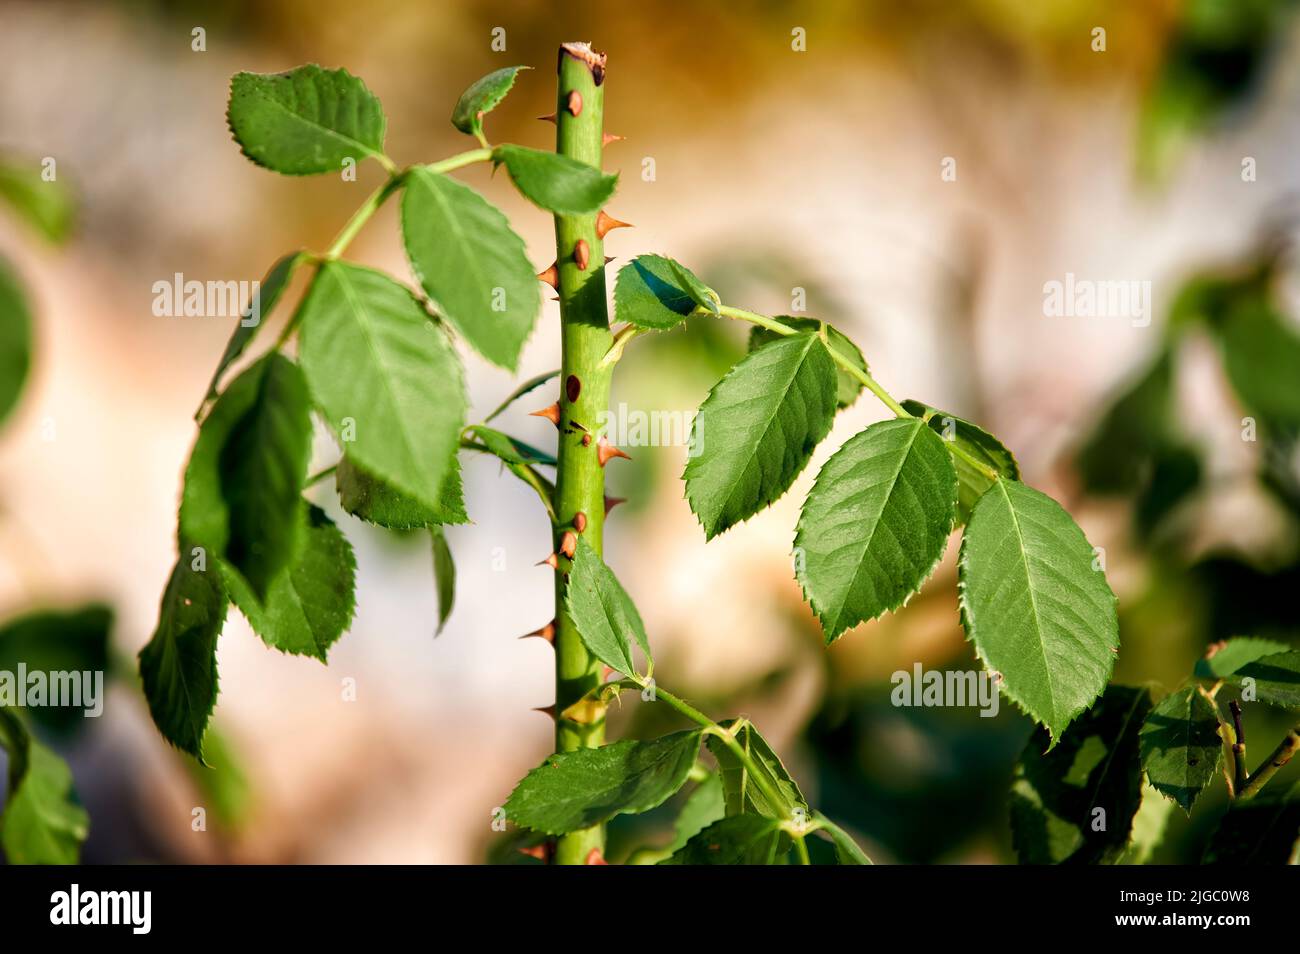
316,478
461,159
1272,765
361,216
727,738
801,850
870,383
584,398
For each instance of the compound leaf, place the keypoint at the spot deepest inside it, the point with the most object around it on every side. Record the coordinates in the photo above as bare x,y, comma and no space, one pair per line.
847,387
741,792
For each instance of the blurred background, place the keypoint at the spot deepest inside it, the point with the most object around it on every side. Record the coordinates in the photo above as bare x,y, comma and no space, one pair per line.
920,170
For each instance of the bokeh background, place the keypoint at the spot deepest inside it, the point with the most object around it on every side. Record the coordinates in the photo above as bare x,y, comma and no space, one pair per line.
775,169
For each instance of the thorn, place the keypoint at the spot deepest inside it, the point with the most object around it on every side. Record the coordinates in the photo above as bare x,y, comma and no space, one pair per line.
612,502
569,544
547,632
607,138
555,298
606,672
548,118
551,276
594,857
546,710
582,254
551,413
552,561
605,451
574,106
609,258
580,521
540,852
606,223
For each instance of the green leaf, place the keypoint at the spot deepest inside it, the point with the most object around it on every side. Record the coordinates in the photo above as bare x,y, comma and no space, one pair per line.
574,790
269,292
875,523
554,182
46,204
735,840
483,96
757,429
15,339
1223,659
1273,679
741,791
42,824
310,606
471,265
847,851
705,805
603,612
650,293
386,378
247,469
178,666
1034,606
700,293
1181,746
75,640
509,449
531,384
1076,802
1148,827
444,575
1261,352
847,387
306,121
970,438
262,466
368,498
1262,831
222,784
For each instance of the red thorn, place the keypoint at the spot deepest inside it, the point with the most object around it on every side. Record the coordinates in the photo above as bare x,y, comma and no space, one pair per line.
606,673
552,561
574,105
580,521
606,139
606,223
569,544
551,413
605,451
612,502
594,857
609,258
551,276
582,254
540,852
547,632
548,118
546,710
